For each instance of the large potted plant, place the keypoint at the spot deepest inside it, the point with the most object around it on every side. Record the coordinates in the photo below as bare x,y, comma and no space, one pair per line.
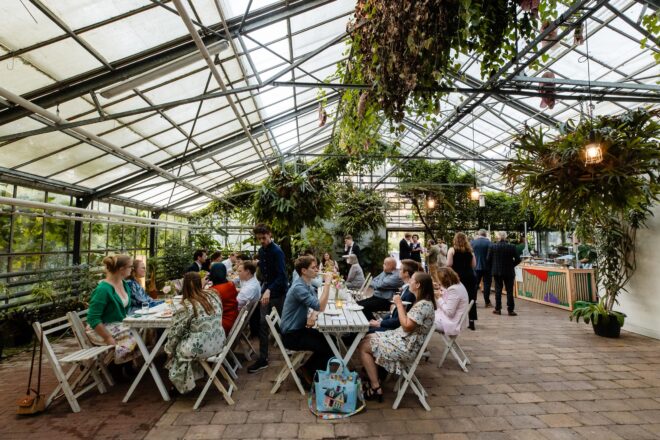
607,200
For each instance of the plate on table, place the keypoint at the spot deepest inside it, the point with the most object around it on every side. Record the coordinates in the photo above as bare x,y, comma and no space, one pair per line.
354,307
165,314
332,312
144,312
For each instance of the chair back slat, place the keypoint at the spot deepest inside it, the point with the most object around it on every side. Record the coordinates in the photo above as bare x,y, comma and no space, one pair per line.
465,314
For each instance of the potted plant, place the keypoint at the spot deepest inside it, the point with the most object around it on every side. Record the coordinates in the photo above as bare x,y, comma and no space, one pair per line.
606,200
605,323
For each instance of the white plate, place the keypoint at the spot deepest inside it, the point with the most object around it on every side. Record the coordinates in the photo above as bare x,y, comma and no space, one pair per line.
164,314
354,308
142,312
332,312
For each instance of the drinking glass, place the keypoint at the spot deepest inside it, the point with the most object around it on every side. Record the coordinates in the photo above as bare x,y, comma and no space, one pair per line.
145,306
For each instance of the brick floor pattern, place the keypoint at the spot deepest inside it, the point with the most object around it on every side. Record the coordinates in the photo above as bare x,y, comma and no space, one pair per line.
534,376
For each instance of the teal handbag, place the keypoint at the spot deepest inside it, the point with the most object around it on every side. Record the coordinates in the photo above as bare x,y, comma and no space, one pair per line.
336,391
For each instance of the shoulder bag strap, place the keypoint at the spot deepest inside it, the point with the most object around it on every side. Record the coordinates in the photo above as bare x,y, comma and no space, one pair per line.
41,352
34,350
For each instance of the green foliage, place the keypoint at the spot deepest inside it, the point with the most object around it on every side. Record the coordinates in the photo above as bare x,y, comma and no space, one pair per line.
173,260
596,312
360,210
241,196
503,212
205,241
44,292
372,256
651,23
291,198
608,200
315,239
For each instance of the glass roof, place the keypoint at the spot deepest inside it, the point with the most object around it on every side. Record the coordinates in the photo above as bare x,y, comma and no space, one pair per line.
99,66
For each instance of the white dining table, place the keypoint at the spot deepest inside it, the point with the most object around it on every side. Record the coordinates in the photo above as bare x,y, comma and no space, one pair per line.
138,323
340,321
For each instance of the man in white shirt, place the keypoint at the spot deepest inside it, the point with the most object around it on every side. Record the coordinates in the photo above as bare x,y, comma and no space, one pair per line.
250,287
230,261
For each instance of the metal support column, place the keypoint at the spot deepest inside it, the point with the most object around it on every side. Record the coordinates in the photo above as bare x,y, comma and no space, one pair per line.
82,203
152,235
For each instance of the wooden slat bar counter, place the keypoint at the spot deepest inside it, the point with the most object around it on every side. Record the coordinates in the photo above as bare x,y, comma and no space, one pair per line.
556,286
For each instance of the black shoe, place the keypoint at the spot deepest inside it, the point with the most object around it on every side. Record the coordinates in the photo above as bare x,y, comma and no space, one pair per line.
471,325
497,312
260,364
488,305
513,314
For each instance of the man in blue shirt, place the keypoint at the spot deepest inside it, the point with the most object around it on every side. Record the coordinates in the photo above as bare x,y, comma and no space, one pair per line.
384,286
296,325
480,246
273,288
391,321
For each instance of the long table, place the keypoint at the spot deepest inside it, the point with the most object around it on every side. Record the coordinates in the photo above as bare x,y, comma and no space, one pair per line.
347,321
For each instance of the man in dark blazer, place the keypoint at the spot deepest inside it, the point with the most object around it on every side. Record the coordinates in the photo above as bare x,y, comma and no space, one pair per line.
404,247
502,260
200,258
480,246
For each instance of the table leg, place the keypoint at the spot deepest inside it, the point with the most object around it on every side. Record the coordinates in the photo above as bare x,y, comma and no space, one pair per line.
351,349
148,364
353,346
332,345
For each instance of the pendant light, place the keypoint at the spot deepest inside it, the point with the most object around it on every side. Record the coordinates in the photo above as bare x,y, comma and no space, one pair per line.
430,202
593,150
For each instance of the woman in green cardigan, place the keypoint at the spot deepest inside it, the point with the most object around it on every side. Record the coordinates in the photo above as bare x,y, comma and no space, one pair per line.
108,307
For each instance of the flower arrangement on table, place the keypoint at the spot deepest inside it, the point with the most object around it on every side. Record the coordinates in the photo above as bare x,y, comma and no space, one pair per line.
172,287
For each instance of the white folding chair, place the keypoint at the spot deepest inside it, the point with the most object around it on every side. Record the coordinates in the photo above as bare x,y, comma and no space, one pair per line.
451,343
408,378
77,321
220,361
363,289
231,361
292,359
84,363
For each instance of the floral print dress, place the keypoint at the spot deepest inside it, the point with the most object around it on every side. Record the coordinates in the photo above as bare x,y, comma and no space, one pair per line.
193,338
395,348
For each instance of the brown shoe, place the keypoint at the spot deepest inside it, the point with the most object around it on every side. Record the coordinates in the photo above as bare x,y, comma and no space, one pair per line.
488,305
513,314
497,312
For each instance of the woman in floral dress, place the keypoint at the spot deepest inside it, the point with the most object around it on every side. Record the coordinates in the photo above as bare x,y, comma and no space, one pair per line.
197,333
394,348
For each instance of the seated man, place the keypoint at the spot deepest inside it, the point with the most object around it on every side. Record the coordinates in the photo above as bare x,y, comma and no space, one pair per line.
250,287
384,286
296,326
391,321
200,258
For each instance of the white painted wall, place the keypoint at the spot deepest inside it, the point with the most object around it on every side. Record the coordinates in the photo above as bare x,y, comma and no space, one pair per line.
642,301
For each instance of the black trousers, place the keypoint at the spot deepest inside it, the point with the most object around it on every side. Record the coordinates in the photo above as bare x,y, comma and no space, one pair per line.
488,279
264,330
374,304
311,340
506,281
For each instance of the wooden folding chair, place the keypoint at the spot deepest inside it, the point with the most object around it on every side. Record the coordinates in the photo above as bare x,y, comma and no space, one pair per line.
84,363
243,338
220,361
451,344
292,359
408,378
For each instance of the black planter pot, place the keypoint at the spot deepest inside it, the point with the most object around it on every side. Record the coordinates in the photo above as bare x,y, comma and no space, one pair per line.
607,328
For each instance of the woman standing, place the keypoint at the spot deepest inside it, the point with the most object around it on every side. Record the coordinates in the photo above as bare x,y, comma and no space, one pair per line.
196,333
461,258
228,294
108,306
392,348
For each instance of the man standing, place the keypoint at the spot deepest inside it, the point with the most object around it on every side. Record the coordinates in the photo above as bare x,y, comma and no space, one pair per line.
350,247
502,260
480,246
404,247
200,258
273,288
384,286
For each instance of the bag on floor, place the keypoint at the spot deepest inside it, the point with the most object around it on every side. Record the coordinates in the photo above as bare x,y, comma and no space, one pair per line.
337,390
33,402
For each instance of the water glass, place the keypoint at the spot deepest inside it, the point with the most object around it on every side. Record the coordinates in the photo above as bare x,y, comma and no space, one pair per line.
145,306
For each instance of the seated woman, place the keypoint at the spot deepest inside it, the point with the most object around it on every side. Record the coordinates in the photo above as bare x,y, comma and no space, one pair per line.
228,295
328,264
196,333
453,303
355,277
392,348
108,306
138,295
296,326
391,320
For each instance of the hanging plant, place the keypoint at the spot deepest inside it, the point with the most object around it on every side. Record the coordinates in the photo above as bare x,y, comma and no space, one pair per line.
360,210
548,92
408,49
609,200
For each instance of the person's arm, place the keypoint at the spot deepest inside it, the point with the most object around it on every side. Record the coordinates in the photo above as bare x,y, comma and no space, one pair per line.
407,324
391,282
352,273
450,302
489,258
474,261
450,257
97,303
314,303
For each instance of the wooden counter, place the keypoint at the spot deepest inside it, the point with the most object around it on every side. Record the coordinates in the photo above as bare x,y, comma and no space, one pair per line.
555,286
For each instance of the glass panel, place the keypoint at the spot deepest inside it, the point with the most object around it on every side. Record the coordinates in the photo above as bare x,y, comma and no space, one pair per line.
28,232
55,238
98,240
115,240
25,264
5,224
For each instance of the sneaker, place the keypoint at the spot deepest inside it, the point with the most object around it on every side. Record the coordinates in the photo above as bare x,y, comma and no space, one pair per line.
513,314
497,312
260,364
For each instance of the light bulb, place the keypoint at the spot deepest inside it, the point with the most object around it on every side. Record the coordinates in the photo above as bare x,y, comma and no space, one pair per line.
474,194
593,153
430,203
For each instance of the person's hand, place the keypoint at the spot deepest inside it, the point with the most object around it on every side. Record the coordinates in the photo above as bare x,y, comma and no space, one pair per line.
397,300
110,341
311,320
374,323
327,278
265,298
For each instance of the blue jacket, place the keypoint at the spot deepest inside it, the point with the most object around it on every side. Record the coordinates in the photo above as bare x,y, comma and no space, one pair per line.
273,270
480,247
391,321
294,312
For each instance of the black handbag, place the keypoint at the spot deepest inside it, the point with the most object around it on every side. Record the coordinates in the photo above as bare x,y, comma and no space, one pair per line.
33,402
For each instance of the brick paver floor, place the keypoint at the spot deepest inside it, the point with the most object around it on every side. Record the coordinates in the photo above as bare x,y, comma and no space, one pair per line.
534,376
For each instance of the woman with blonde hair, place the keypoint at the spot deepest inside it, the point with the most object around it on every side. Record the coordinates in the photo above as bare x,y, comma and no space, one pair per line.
197,333
460,257
138,295
108,306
